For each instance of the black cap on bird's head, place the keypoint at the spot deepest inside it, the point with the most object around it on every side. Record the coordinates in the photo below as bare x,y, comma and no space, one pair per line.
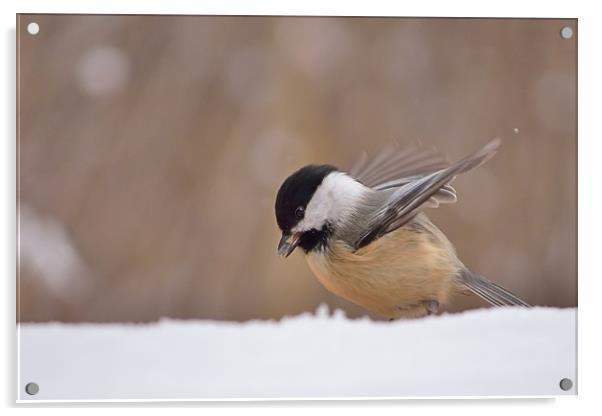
291,202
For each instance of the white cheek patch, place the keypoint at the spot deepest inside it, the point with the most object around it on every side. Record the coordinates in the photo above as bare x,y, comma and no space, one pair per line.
333,200
318,210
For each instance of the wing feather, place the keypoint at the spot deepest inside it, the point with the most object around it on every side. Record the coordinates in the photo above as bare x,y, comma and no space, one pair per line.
418,191
395,167
394,163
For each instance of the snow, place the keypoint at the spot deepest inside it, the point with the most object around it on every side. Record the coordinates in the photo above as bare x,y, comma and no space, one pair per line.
501,352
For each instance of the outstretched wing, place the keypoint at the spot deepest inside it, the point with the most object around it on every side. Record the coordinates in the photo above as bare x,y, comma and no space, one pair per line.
418,191
395,167
393,164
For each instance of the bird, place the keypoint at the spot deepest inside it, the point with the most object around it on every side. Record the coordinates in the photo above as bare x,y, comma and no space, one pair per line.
367,239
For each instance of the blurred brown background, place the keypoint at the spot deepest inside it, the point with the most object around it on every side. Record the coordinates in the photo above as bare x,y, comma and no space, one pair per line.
151,149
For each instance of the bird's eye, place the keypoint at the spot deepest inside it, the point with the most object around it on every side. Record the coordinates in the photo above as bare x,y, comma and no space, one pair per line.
299,212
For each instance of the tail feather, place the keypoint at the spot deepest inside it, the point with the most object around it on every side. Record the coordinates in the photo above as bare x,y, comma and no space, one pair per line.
491,292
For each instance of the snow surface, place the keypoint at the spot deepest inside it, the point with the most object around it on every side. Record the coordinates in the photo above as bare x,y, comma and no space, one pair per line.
502,352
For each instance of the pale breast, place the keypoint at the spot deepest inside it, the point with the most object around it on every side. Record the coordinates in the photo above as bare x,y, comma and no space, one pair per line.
391,275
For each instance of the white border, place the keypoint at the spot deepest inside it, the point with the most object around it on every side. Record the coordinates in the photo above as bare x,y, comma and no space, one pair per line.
285,399
589,153
552,9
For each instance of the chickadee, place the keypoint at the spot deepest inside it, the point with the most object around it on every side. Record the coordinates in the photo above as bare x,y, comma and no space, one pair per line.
367,240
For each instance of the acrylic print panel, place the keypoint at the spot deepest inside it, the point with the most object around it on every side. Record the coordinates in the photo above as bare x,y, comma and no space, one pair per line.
151,150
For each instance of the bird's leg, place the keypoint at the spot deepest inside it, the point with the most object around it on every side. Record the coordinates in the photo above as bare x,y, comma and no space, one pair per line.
417,310
432,307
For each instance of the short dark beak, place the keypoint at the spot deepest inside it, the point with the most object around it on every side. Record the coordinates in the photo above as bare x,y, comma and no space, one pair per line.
288,243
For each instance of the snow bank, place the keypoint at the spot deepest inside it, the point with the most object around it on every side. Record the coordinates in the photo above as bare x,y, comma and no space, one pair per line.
509,352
